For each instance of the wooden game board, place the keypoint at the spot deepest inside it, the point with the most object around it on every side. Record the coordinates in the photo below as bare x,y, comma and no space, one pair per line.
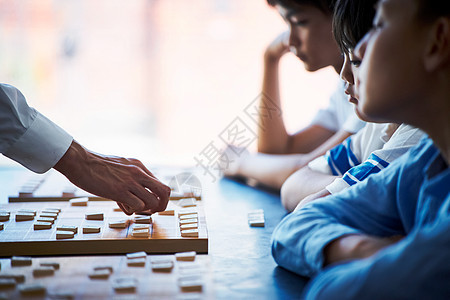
20,238
72,281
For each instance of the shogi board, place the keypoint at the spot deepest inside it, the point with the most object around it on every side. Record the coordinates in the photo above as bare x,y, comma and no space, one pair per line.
20,238
72,277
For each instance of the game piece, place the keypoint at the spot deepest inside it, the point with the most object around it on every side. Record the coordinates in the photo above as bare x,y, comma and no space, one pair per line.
49,215
27,211
94,216
140,233
7,283
54,265
189,233
43,271
100,274
143,219
109,268
64,235
162,265
19,261
24,216
62,295
42,225
169,212
185,256
140,254
256,218
187,202
188,221
190,216
189,226
256,223
117,209
79,201
55,210
187,211
91,229
74,229
141,226
2,226
4,216
19,278
46,220
136,262
118,224
32,289
125,284
190,283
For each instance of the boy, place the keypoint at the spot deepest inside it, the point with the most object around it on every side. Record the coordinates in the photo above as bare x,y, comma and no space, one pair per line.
387,237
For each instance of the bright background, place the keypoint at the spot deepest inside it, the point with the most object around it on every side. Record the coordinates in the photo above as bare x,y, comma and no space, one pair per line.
152,79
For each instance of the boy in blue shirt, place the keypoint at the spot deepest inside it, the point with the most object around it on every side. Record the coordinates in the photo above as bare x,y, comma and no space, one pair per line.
387,237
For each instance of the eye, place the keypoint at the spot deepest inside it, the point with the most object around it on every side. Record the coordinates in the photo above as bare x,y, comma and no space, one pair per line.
355,62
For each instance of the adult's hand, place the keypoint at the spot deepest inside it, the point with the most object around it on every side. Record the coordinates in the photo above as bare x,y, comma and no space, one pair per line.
126,181
278,47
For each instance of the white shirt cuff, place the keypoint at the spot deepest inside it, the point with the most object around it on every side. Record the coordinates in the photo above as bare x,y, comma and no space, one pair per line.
337,185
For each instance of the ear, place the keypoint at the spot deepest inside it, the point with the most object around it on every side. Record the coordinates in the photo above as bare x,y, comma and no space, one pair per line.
437,52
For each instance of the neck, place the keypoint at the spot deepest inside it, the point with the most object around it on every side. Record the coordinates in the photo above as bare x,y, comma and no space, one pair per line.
338,65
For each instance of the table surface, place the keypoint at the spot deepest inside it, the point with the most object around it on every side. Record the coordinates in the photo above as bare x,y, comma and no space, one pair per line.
240,255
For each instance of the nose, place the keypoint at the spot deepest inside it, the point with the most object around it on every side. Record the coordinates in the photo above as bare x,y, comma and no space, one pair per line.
346,71
360,48
294,41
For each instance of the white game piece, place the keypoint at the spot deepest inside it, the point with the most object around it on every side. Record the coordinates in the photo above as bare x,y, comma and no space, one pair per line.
143,219
188,221
19,278
24,216
189,226
47,220
32,289
137,262
91,229
134,255
190,216
125,284
187,211
109,268
42,225
256,218
187,202
54,265
100,274
2,226
43,271
256,223
97,216
18,261
79,201
4,216
64,235
140,233
7,283
74,229
185,256
118,224
190,283
162,266
62,295
168,212
141,226
55,210
189,233
27,211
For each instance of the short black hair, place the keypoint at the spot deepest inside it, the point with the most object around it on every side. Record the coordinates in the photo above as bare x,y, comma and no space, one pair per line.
429,10
327,6
352,19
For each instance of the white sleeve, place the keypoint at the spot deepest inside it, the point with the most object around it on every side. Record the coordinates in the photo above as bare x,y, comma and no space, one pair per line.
27,136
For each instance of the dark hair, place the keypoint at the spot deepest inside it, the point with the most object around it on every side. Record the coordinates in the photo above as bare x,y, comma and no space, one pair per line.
327,6
429,10
352,19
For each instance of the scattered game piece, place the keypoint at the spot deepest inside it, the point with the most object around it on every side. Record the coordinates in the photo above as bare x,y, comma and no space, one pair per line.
18,261
64,235
43,271
187,202
169,212
4,216
94,216
256,218
74,229
125,284
162,266
141,233
189,226
27,211
141,226
185,256
47,220
32,289
118,224
42,225
19,278
188,221
54,265
190,283
7,283
109,268
140,254
143,220
190,216
2,226
91,229
24,216
189,233
100,274
187,211
79,201
137,262
49,215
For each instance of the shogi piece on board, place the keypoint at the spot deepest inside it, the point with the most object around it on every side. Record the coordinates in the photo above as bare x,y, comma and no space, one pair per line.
91,229
134,255
43,271
189,233
164,266
49,215
137,262
7,283
97,216
100,274
125,285
188,221
190,283
55,210
143,220
122,224
48,220
64,235
19,278
256,218
79,201
141,233
185,256
141,226
19,261
32,289
24,216
169,212
42,225
190,216
105,267
187,211
2,226
4,216
71,228
187,202
54,265
189,226
28,211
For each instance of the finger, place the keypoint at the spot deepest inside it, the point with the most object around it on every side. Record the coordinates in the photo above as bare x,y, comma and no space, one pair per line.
161,190
148,198
132,203
125,208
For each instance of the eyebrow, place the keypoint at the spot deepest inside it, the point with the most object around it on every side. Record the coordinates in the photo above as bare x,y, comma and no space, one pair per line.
292,13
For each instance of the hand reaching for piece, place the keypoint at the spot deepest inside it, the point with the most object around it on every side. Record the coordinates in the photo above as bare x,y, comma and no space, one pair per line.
124,180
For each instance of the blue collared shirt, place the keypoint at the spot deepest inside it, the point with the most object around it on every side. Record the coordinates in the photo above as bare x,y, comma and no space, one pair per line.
410,198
